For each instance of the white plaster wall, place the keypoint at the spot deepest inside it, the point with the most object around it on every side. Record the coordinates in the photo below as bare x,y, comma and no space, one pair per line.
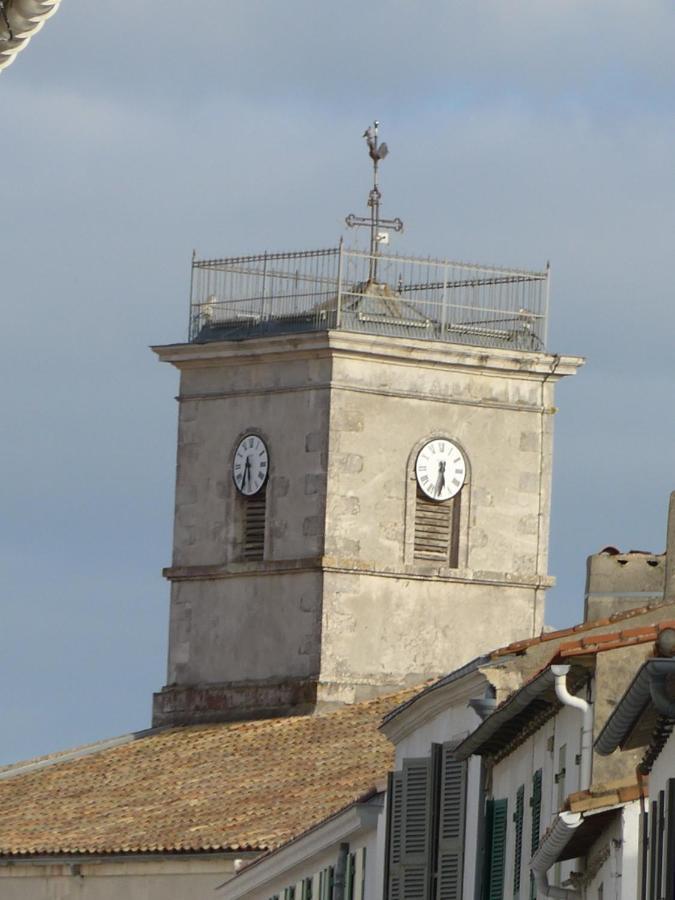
312,865
451,724
619,842
518,769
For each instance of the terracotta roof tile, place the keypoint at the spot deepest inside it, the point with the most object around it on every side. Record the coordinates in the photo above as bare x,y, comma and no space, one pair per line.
520,646
236,786
606,795
613,640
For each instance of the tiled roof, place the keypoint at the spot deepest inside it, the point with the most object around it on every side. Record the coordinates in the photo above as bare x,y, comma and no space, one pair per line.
613,640
522,646
26,18
240,786
607,795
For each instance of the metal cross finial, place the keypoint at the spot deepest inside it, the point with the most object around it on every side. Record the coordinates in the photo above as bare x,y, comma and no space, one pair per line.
377,152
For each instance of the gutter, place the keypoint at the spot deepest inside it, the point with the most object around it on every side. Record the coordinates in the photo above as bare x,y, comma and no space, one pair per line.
649,685
547,855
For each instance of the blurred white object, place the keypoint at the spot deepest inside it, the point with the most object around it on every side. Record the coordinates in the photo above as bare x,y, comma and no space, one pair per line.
25,18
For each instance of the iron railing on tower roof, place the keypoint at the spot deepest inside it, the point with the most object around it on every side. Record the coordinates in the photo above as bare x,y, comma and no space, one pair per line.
318,290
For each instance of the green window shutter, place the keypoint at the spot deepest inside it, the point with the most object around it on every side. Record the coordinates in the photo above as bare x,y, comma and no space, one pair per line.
518,844
393,857
349,876
361,882
452,815
535,803
669,892
497,810
416,831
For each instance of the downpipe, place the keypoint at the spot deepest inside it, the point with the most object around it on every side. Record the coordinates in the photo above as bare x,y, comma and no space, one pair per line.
586,710
562,693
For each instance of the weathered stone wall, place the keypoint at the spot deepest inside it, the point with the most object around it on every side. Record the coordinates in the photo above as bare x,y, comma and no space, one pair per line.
616,582
339,596
161,879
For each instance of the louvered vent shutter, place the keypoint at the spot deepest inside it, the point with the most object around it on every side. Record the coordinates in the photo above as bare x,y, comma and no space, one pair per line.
451,826
437,530
416,828
395,836
254,525
535,803
518,817
497,810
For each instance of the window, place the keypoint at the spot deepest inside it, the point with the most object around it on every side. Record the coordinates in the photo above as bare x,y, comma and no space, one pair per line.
355,875
307,884
326,877
560,778
425,828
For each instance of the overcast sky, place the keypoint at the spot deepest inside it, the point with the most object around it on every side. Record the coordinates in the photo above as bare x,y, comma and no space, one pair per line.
519,132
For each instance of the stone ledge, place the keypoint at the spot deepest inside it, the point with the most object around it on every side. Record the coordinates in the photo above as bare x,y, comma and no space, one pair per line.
423,572
233,701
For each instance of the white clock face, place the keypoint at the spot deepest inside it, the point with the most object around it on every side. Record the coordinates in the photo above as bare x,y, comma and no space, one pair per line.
440,469
251,462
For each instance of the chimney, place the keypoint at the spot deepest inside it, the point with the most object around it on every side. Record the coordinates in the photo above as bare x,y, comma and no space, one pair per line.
669,587
616,582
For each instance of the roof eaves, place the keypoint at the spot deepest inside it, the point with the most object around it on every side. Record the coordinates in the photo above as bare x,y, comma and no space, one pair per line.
632,704
353,816
440,683
479,740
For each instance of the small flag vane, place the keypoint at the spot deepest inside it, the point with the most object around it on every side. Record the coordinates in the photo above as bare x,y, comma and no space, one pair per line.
379,228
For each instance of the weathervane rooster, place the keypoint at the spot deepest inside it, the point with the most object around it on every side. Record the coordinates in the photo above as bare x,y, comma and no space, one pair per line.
377,153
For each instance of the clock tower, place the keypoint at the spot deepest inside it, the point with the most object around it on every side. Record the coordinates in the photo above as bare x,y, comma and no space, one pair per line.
363,475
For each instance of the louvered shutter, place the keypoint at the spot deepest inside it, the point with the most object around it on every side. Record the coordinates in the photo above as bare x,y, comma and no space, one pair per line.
535,803
416,831
349,877
653,830
254,525
518,844
451,826
394,873
497,810
669,887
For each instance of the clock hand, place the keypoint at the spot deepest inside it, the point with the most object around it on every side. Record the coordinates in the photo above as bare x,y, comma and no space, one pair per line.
440,481
247,472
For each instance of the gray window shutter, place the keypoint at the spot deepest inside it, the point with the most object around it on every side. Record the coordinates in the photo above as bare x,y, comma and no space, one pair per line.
394,874
416,832
451,826
669,892
535,803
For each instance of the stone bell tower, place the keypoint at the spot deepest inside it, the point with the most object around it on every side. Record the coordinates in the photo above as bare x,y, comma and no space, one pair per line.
363,474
